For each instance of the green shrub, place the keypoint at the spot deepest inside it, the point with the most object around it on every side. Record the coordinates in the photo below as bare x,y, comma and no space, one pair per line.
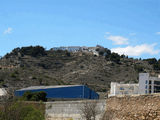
139,68
34,115
115,57
151,60
27,96
156,66
68,54
20,111
34,96
13,75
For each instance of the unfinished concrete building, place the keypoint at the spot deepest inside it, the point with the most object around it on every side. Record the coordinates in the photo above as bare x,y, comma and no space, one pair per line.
147,85
123,89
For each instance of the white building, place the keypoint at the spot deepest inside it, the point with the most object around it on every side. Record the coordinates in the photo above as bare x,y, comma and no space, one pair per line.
146,85
93,50
123,89
3,92
78,48
69,48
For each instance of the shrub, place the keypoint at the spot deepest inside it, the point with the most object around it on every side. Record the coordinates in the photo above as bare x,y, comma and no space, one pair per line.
34,115
151,60
156,66
139,68
68,54
30,50
115,57
33,51
27,96
20,111
13,75
35,96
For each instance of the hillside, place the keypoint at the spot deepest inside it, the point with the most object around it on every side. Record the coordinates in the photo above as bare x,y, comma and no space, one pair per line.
28,66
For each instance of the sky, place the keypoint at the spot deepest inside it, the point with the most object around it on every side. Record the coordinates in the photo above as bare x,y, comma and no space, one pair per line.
130,27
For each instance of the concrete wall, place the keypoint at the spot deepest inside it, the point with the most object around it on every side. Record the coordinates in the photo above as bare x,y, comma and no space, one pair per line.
142,107
71,110
121,89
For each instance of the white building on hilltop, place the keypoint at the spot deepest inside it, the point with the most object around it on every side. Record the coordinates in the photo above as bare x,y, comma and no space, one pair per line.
78,49
3,92
146,85
69,48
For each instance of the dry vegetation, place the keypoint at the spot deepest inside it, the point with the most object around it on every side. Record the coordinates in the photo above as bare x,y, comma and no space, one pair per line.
30,66
20,110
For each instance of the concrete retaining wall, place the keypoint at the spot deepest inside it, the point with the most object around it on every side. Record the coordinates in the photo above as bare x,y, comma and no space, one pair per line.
71,110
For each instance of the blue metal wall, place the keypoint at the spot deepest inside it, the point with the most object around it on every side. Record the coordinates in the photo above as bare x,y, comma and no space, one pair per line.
72,92
90,94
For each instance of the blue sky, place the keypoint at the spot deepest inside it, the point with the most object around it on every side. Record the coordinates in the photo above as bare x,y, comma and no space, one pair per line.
129,27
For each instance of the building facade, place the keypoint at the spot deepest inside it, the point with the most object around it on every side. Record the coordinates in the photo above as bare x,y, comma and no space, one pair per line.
147,85
78,49
69,48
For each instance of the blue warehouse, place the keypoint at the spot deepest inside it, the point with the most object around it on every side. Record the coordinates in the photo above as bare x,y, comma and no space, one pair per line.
62,92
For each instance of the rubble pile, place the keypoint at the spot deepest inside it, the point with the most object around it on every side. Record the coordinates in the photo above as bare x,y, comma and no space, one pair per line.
142,107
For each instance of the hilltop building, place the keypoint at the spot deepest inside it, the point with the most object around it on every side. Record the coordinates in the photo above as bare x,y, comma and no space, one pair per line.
78,49
3,92
62,92
146,85
69,48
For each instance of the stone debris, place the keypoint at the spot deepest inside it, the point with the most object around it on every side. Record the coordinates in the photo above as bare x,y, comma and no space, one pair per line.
143,107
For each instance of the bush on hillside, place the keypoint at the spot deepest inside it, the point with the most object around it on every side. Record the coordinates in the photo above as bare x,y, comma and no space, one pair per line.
154,62
139,68
156,66
115,57
33,51
151,60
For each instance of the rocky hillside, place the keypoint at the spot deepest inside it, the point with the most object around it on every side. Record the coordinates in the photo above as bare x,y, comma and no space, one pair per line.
28,66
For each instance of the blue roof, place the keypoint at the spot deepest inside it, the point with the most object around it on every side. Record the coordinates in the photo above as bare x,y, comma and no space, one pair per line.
46,87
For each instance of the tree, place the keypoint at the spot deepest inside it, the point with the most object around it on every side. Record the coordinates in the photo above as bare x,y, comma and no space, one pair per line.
33,51
139,68
89,110
115,57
